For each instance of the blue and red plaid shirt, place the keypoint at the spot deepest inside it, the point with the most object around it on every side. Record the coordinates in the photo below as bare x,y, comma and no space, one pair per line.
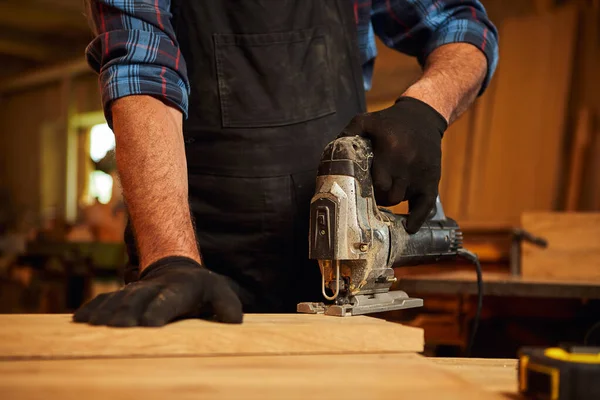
136,51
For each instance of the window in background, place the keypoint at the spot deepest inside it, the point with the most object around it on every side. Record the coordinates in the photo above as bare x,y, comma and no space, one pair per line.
102,140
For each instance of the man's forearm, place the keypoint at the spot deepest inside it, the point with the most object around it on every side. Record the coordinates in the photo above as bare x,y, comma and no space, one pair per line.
153,171
452,79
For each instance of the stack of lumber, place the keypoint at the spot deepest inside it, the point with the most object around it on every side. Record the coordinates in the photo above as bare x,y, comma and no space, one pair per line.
268,356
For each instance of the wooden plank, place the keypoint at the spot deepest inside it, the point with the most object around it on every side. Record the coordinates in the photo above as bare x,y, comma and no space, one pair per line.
456,151
581,142
590,196
522,159
586,94
544,5
478,148
493,375
26,49
390,376
55,336
573,246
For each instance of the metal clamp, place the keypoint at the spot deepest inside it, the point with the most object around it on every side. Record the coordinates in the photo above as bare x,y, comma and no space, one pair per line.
518,237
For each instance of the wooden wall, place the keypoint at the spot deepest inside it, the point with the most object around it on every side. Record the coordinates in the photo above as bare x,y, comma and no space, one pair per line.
33,137
513,150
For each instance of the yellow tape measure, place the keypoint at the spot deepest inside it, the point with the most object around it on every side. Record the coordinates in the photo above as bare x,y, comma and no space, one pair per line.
560,373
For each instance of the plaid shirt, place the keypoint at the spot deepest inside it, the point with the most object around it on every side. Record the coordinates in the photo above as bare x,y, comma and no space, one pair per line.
136,51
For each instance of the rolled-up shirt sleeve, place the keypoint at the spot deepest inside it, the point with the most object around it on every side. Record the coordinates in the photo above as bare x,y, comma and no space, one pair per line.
135,52
418,27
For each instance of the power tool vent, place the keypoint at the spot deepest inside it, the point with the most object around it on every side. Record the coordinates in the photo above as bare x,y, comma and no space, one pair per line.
456,240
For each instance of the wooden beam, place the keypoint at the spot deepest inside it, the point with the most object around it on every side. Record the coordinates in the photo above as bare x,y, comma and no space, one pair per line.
13,66
579,151
75,6
45,19
76,67
543,6
31,48
25,51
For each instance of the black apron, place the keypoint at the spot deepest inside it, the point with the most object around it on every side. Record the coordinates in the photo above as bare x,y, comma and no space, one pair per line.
272,82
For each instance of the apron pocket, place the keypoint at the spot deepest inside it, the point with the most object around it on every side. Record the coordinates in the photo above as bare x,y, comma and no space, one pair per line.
273,79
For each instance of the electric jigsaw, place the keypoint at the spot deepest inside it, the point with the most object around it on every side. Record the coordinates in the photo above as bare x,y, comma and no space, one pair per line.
357,244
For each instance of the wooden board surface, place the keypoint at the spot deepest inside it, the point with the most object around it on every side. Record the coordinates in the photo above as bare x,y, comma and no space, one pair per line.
55,336
493,375
517,163
364,376
573,251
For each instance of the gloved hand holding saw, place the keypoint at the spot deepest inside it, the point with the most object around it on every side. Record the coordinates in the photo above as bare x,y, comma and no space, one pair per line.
406,140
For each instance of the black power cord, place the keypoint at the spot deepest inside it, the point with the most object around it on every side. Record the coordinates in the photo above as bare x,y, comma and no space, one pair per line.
592,336
466,254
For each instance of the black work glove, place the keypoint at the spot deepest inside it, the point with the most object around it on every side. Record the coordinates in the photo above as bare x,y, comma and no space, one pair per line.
407,155
171,288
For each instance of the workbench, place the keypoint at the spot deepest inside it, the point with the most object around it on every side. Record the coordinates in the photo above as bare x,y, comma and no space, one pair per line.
498,284
268,357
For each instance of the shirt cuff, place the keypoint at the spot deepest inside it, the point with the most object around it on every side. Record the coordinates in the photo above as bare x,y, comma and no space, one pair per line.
121,80
467,31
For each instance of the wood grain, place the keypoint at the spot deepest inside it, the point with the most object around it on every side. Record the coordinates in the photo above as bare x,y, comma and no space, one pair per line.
580,145
520,158
573,246
586,94
591,187
55,337
477,147
494,375
455,164
365,376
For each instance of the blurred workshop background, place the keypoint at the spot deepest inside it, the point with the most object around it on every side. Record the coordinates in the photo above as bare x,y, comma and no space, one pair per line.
522,164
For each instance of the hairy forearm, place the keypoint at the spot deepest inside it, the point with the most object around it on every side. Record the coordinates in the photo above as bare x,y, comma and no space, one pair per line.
451,80
153,171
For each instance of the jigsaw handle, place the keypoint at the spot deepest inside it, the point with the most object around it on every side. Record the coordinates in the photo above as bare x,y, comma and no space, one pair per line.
439,238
